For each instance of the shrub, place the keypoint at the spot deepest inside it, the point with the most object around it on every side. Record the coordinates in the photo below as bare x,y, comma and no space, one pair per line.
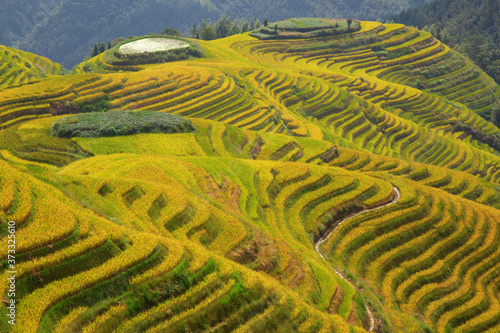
98,105
99,124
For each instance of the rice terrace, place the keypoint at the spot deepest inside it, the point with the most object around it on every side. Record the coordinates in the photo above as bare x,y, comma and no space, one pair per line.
312,175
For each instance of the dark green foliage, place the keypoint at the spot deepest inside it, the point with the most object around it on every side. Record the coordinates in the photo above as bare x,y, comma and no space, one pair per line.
266,22
105,190
99,105
171,32
98,124
223,26
98,48
208,31
194,32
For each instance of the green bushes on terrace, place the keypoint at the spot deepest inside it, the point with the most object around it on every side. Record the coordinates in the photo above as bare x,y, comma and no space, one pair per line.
101,124
115,58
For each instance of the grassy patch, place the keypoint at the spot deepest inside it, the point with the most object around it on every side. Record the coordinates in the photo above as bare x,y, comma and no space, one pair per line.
115,123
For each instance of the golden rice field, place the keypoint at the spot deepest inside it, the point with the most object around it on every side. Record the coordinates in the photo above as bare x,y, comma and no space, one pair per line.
333,184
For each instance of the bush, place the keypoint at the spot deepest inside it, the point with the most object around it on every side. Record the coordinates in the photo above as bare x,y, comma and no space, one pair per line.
99,124
99,105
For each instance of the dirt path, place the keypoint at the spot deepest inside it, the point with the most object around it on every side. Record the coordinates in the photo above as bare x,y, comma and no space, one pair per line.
336,269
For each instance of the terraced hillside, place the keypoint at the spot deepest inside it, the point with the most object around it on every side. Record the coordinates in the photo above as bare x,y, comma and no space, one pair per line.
342,183
19,67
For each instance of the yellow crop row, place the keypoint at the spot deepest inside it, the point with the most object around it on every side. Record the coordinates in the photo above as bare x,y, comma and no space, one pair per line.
374,270
24,204
232,233
356,257
183,144
485,316
6,186
424,290
355,233
163,327
143,96
162,307
64,324
175,254
469,284
112,314
264,316
438,264
36,303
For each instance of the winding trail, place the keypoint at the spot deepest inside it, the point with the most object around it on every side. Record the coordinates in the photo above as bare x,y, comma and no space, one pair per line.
325,237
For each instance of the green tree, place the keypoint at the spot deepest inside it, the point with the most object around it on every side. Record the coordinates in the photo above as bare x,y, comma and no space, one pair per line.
223,26
235,28
349,22
207,31
109,45
194,32
251,24
266,22
95,51
244,27
257,24
101,47
171,32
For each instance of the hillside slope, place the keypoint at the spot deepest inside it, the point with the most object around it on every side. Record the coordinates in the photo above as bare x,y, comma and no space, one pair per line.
338,183
19,67
65,30
471,26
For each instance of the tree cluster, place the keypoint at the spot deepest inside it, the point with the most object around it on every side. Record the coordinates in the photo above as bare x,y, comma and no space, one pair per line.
99,48
223,27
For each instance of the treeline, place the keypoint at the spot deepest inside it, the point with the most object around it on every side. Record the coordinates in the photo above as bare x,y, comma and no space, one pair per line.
221,28
471,27
224,27
99,48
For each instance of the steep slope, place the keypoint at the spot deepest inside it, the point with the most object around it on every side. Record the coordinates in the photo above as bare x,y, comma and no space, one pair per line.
337,183
471,26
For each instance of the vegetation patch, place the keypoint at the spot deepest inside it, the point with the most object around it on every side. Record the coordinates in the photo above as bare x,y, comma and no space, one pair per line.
99,124
306,27
152,45
151,50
